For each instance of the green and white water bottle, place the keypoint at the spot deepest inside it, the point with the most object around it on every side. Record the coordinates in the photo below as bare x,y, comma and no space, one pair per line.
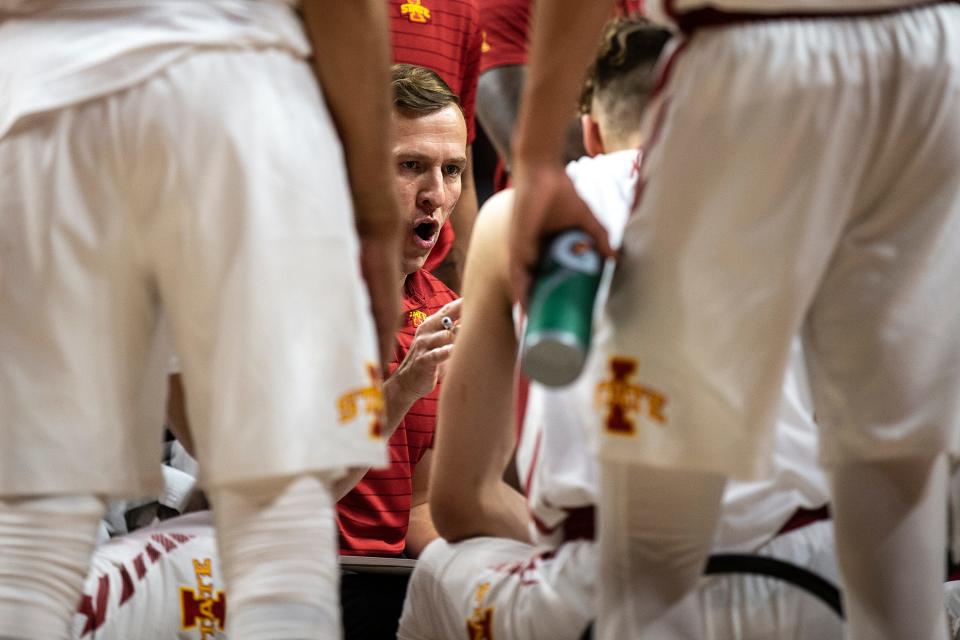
560,312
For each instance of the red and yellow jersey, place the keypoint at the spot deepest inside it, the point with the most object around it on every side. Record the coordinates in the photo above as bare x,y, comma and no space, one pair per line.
373,517
504,25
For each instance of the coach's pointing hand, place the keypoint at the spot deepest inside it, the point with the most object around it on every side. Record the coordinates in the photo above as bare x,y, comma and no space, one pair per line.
432,345
423,366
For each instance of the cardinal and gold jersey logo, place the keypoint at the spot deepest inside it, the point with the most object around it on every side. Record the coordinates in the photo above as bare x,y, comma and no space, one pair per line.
415,11
416,318
370,398
484,45
624,399
203,608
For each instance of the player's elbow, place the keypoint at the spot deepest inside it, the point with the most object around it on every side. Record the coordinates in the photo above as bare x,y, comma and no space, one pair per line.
455,515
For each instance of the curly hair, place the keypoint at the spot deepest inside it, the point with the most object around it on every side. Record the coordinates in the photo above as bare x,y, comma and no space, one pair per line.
622,77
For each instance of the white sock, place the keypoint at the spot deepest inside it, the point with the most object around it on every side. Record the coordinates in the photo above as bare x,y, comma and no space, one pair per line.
45,549
656,530
890,521
278,545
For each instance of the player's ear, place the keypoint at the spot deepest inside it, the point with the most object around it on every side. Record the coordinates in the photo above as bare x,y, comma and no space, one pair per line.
592,140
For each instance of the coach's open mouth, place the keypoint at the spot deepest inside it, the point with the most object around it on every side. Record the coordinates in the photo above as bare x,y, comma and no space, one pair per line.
426,231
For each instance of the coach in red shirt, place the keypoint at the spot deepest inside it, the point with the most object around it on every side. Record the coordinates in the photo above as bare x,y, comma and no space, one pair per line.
444,36
386,513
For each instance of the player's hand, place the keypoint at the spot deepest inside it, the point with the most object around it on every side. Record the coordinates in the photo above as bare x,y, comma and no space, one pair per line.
380,262
544,204
432,346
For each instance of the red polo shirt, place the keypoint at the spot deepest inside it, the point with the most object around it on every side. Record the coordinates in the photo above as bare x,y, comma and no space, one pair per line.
504,25
373,517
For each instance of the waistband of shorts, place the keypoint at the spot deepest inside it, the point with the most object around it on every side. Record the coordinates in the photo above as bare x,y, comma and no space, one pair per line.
802,517
580,524
697,19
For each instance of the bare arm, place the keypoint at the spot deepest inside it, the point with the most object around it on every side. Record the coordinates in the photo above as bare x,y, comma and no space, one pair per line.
545,199
498,101
420,531
475,430
352,64
498,104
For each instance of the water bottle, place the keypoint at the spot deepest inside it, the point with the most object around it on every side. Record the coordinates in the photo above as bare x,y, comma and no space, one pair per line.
560,312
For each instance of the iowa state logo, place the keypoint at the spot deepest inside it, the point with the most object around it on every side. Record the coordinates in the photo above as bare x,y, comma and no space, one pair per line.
370,398
416,318
202,608
480,624
623,399
415,11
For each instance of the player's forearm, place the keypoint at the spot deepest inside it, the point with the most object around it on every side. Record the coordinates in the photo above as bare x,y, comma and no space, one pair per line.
476,430
397,403
565,34
351,58
475,433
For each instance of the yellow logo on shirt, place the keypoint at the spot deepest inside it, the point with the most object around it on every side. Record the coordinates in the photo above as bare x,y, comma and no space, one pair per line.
371,397
415,11
202,608
416,318
484,45
624,398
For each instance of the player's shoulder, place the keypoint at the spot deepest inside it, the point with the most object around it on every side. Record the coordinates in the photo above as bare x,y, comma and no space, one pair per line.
492,227
493,219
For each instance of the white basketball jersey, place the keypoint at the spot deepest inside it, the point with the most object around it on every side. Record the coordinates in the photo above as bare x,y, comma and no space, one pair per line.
160,582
